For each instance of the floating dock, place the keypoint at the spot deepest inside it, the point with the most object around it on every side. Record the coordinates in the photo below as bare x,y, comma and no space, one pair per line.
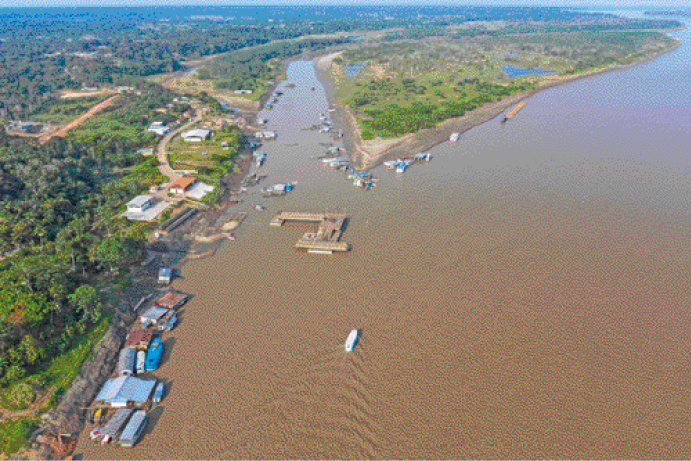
510,114
326,239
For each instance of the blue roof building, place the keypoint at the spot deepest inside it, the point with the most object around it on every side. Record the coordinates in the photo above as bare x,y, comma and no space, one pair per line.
124,390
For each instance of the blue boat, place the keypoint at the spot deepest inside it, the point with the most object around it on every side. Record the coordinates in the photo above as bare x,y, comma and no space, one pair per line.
158,393
153,357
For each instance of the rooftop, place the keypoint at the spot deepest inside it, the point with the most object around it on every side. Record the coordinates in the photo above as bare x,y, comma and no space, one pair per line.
196,133
126,389
183,183
138,201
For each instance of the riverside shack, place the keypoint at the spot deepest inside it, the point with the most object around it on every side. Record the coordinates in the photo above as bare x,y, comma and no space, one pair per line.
125,391
139,339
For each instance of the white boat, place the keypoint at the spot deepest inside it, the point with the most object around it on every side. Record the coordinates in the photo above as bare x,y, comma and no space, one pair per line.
334,159
351,340
454,136
141,359
391,164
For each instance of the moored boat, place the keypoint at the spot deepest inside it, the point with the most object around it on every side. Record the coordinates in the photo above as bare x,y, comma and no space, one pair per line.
454,136
351,340
153,357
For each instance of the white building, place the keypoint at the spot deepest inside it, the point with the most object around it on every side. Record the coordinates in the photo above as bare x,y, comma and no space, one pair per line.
140,203
159,128
196,135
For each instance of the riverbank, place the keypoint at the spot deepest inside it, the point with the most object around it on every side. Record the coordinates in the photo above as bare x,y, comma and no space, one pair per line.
372,153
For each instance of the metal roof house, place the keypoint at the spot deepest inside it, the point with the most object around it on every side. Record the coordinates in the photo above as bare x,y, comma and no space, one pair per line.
140,203
117,422
153,314
126,390
139,339
196,135
127,362
134,429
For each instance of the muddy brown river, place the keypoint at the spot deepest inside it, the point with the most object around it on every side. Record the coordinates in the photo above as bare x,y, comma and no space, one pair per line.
523,295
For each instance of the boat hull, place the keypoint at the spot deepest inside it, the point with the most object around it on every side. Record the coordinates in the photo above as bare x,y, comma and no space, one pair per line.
351,341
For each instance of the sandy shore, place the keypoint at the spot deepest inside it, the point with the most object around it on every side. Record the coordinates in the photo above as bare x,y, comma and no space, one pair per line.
369,154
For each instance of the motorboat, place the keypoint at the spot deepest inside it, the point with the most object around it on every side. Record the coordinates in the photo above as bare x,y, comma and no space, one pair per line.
454,136
351,340
153,357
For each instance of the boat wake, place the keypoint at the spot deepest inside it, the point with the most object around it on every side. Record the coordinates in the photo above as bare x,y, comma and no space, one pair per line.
324,412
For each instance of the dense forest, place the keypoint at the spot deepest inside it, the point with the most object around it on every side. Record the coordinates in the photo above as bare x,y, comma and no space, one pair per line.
59,228
247,69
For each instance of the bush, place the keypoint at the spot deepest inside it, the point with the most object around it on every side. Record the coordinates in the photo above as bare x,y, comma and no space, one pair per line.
20,395
367,135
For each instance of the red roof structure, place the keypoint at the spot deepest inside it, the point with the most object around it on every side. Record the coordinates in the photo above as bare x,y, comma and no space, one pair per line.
171,300
139,338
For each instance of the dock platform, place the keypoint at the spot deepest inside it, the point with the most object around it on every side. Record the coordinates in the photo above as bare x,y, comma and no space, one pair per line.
326,239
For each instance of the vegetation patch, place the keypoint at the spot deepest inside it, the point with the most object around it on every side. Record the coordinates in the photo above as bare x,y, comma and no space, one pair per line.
63,111
422,78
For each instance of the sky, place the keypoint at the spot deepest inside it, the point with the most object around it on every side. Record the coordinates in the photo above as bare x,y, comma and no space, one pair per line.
587,3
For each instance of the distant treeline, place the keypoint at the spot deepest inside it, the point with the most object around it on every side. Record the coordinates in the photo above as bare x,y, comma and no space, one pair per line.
247,69
43,53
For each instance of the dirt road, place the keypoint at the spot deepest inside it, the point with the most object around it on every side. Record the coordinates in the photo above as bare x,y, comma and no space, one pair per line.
162,151
75,123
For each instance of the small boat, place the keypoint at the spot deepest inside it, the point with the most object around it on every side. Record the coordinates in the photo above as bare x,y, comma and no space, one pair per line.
454,136
96,433
170,323
153,357
289,186
158,393
141,360
259,207
391,164
351,340
401,167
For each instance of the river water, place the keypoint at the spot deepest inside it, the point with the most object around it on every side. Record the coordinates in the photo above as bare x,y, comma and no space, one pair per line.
524,294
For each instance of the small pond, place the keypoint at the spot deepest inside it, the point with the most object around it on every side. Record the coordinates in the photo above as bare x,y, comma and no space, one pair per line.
354,69
512,71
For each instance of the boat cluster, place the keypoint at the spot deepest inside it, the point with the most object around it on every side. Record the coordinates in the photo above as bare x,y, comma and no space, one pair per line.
400,165
126,395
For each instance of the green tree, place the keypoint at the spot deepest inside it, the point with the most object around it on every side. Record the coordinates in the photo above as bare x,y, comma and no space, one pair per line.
118,252
86,299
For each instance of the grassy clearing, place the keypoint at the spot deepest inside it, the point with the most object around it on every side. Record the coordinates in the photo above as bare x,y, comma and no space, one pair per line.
211,160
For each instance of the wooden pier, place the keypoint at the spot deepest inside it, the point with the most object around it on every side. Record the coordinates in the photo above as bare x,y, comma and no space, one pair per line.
326,239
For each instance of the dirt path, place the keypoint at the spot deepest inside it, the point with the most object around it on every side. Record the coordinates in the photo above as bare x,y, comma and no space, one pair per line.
162,151
75,123
31,409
